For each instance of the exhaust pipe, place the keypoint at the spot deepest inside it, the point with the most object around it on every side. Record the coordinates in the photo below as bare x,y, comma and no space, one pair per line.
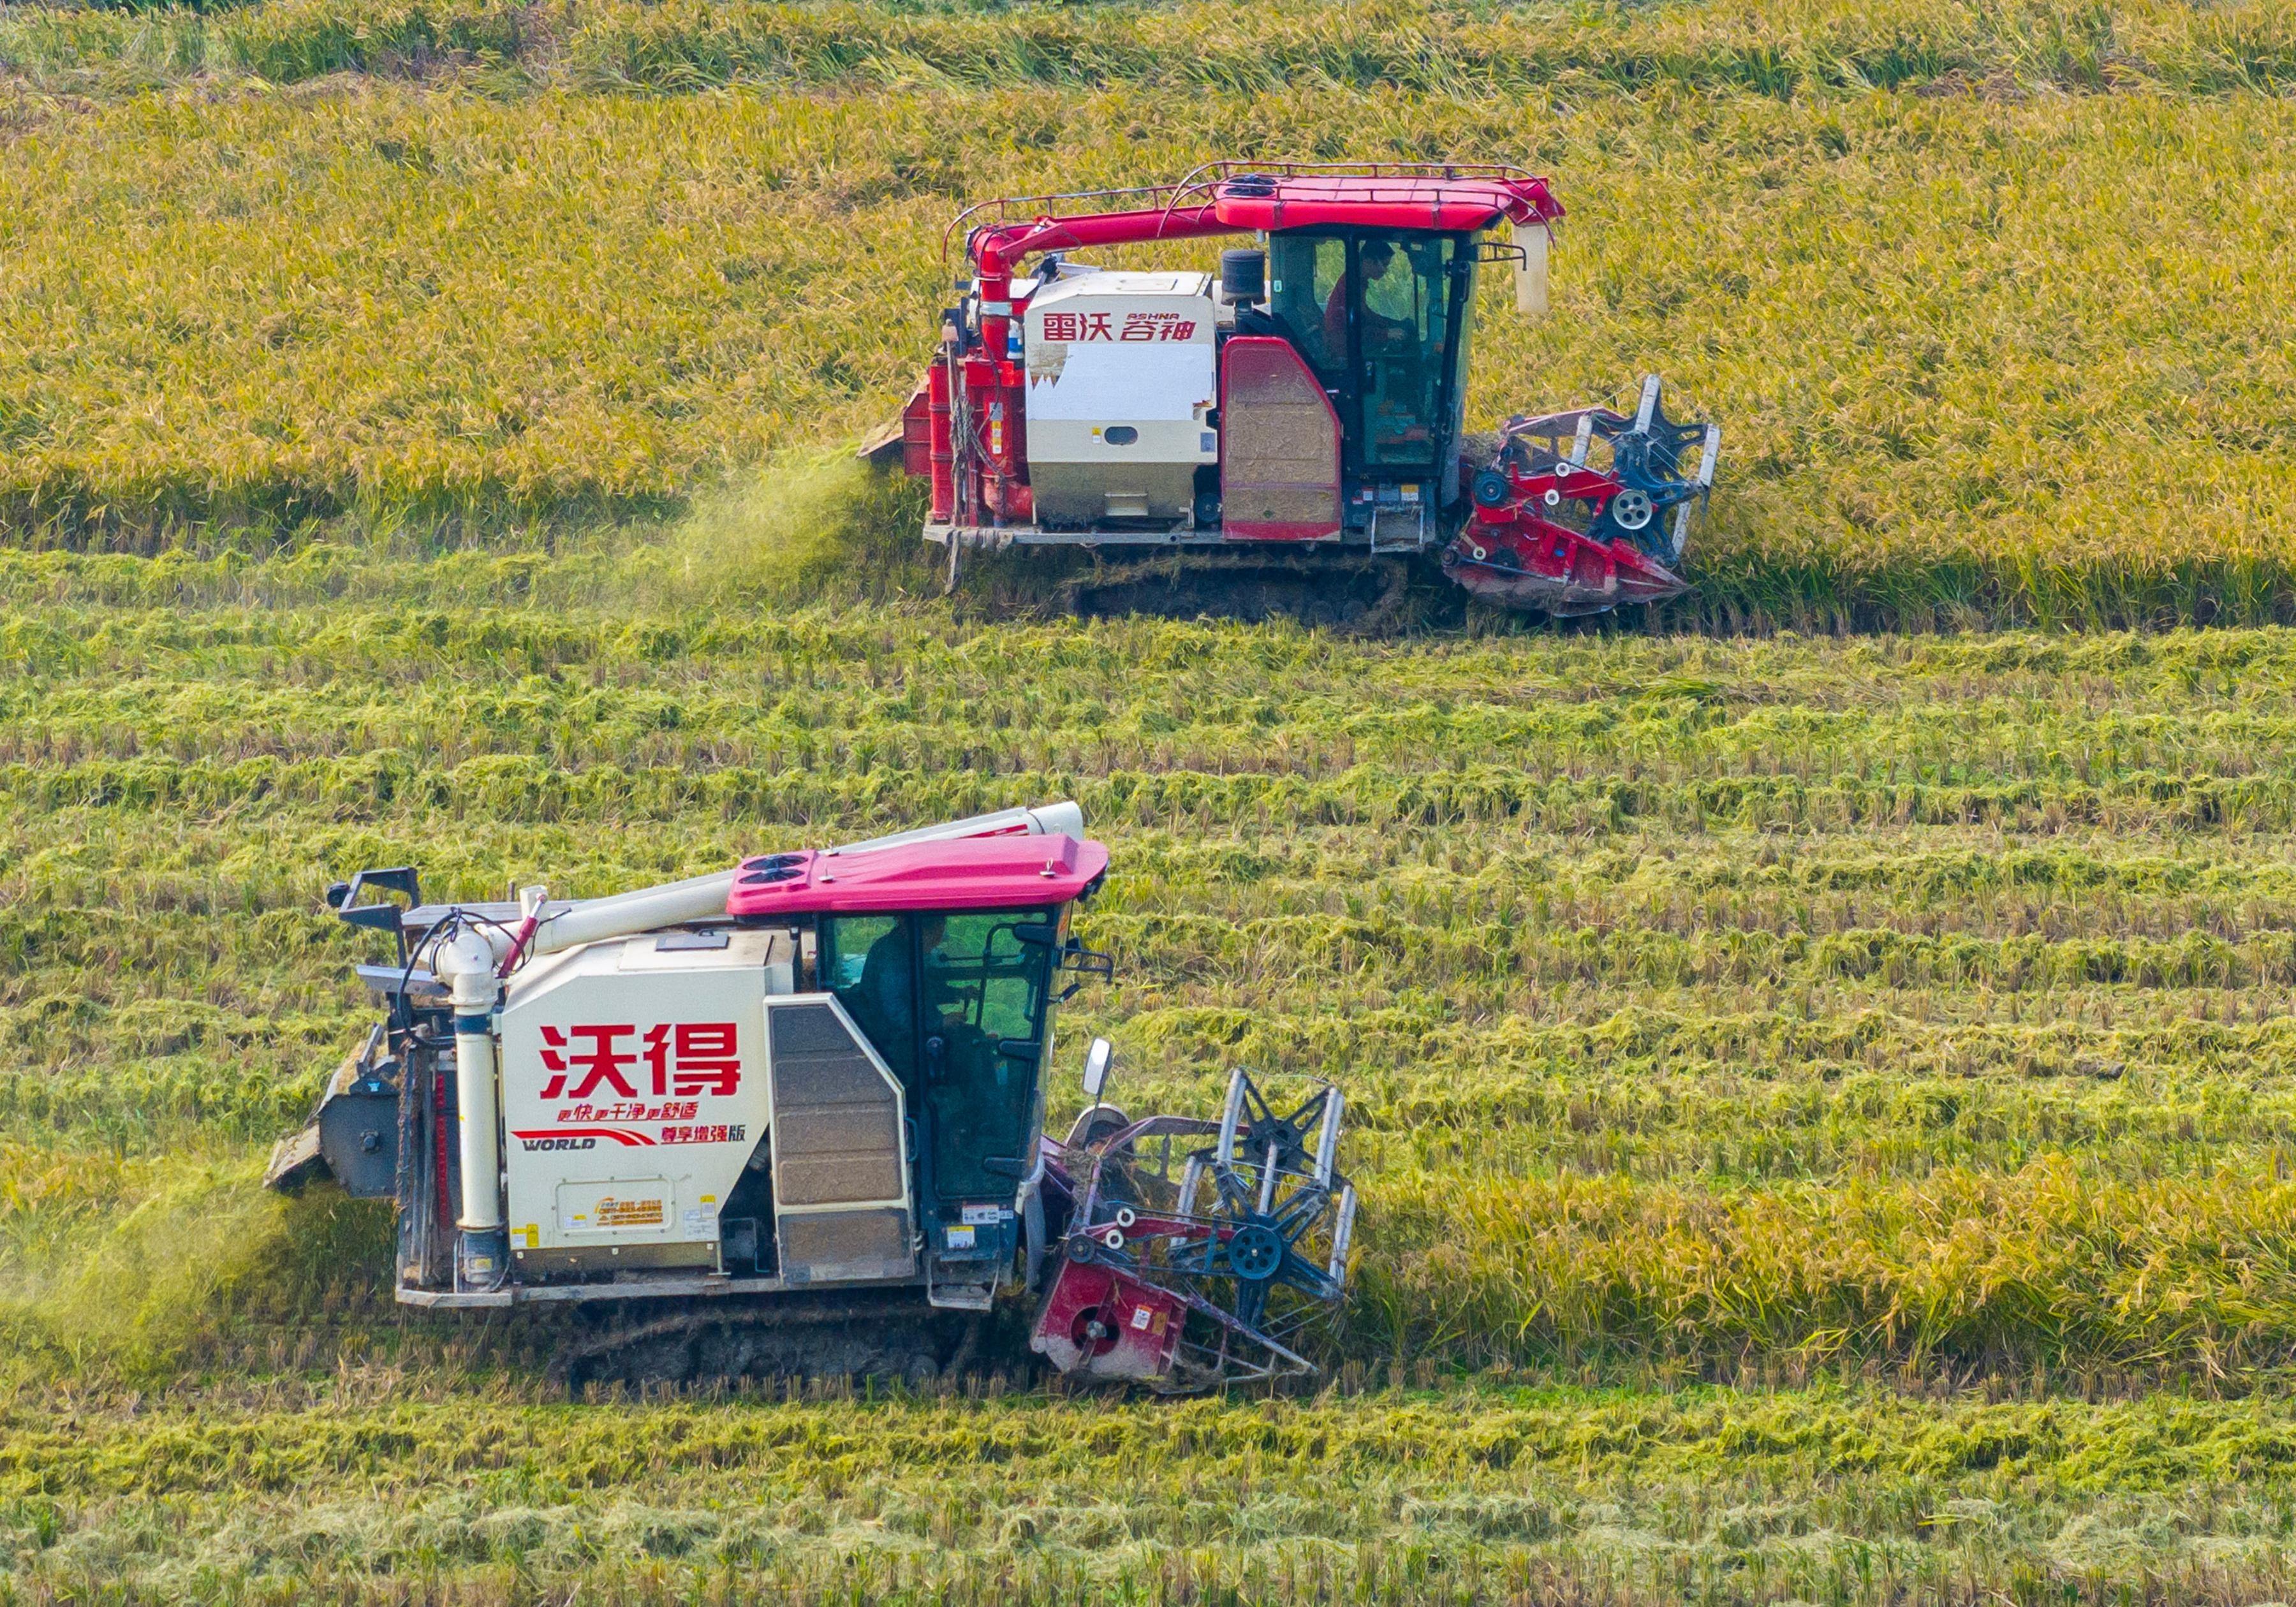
699,898
465,962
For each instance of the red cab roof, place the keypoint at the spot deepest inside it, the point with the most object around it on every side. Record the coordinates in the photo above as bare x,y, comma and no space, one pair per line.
1408,200
967,873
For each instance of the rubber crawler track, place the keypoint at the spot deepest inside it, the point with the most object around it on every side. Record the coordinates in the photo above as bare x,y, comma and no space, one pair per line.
859,1336
1357,595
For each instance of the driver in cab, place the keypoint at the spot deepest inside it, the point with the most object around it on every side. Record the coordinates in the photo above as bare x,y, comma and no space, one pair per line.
1386,322
886,976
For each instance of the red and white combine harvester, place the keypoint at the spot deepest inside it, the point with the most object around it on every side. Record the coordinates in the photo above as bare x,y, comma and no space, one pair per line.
1301,414
782,1118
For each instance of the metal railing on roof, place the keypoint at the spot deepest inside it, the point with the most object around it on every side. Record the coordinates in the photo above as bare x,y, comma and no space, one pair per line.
1203,185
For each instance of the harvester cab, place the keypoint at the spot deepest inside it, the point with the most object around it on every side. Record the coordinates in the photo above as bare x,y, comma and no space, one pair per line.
1304,410
817,1073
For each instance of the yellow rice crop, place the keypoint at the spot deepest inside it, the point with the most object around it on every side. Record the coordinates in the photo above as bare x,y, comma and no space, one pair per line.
1974,356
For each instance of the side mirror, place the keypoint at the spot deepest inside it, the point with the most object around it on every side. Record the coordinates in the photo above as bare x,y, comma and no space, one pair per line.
1096,1061
1532,240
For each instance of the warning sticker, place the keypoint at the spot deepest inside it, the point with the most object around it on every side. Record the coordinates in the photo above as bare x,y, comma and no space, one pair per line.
983,1216
630,1213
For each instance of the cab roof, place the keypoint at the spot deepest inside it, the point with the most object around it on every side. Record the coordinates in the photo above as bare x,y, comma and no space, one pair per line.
967,873
1405,201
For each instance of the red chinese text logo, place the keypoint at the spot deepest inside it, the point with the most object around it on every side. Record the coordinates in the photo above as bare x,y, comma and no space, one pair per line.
1157,326
1102,326
686,1058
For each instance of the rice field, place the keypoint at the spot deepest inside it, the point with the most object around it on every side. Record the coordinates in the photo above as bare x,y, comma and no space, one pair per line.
1820,1059
386,1492
1827,1106
458,272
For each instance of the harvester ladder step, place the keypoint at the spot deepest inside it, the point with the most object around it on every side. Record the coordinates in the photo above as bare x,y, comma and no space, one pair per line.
961,1297
1414,542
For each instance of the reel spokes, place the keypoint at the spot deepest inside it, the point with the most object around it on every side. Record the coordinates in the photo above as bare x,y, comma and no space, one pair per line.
1216,1273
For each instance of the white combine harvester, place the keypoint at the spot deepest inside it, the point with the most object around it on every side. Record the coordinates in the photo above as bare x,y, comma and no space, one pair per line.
779,1118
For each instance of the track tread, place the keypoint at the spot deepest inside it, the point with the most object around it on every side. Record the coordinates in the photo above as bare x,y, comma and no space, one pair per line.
1313,578
877,1337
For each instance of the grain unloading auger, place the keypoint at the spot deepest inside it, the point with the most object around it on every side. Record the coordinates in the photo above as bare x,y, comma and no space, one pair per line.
786,1116
1302,414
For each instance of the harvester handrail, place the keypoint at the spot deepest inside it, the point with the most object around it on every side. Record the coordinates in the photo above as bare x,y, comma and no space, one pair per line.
1228,169
1203,181
1210,176
1004,206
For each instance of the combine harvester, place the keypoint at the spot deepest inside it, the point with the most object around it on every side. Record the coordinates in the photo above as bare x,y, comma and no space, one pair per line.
1298,423
783,1118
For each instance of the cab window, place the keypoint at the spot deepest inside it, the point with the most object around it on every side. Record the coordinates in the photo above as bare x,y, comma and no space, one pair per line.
984,985
1404,331
869,962
1372,314
956,1002
1305,275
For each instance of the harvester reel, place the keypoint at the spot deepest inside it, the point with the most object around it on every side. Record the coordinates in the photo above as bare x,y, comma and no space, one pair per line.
1562,527
1211,1280
1661,467
1274,1190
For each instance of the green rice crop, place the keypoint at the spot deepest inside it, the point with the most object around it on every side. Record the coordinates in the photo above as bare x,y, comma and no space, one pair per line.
377,1486
1897,1003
